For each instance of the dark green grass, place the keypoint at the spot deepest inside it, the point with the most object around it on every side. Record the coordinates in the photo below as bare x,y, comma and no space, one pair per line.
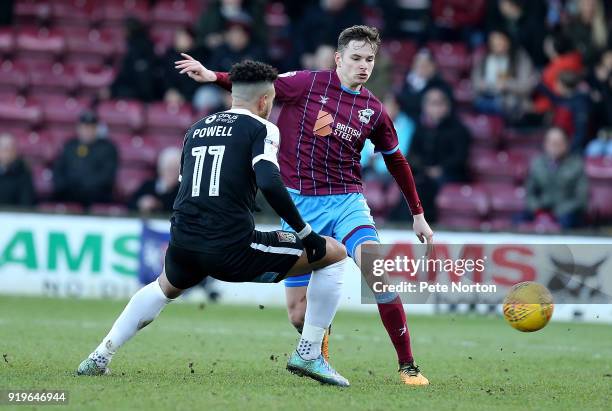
239,356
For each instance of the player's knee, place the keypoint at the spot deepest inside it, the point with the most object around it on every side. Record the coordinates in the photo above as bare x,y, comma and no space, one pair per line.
335,250
168,289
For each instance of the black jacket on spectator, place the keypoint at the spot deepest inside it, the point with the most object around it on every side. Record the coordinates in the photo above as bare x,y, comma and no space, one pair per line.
223,57
528,30
16,188
319,26
408,20
601,97
85,173
446,145
137,75
149,188
212,20
411,100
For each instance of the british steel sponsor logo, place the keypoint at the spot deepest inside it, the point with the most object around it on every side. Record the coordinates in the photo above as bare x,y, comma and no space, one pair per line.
346,132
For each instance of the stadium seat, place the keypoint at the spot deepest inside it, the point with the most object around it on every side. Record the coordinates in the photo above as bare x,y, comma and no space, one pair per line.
168,120
135,151
61,208
460,222
42,177
39,43
372,16
526,153
599,170
458,13
71,13
7,41
486,130
19,112
464,92
88,46
37,148
506,200
501,166
61,112
114,12
523,138
174,14
122,116
163,37
13,77
401,53
115,210
28,12
451,57
600,203
160,142
54,78
92,78
462,200
129,180
540,226
374,191
276,17
116,35
498,224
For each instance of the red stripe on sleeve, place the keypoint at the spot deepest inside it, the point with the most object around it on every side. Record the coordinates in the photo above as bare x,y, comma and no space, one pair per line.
223,80
400,170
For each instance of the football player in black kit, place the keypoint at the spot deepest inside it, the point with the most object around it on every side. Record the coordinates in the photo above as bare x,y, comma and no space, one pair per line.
226,157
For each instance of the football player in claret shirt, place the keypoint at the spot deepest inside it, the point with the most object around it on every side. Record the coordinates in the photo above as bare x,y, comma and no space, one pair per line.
324,120
226,157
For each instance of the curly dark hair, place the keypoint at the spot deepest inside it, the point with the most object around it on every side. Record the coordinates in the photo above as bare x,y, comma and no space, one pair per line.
249,71
361,33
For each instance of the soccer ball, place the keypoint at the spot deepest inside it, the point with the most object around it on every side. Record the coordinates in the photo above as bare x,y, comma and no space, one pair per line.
528,306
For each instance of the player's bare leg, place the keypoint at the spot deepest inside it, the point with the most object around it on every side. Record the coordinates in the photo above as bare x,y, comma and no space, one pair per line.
393,317
323,294
141,310
296,308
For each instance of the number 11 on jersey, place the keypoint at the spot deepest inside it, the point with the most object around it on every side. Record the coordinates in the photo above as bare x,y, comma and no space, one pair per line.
200,153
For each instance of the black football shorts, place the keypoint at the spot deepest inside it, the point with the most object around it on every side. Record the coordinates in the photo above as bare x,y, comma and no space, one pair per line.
267,259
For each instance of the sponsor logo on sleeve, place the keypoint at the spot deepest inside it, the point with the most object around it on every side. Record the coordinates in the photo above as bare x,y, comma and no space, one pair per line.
285,237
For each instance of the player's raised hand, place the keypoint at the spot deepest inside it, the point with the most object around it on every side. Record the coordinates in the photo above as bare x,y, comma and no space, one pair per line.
423,231
194,69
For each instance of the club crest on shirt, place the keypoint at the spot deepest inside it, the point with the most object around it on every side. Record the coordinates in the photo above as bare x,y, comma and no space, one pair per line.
285,237
365,115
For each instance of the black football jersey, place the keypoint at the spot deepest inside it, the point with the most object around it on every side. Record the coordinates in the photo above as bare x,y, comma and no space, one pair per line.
214,206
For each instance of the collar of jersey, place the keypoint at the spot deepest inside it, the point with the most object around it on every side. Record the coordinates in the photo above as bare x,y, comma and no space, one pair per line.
343,87
350,91
240,111
247,113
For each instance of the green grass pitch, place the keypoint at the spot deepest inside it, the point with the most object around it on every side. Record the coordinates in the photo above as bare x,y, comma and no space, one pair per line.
233,358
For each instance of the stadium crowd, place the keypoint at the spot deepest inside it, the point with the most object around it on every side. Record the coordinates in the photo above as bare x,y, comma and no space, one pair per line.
503,107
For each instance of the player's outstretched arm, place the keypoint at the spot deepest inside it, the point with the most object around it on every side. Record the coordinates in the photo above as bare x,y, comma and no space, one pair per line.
400,170
195,70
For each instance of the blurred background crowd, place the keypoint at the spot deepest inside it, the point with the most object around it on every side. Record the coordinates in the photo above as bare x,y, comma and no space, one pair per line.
502,107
